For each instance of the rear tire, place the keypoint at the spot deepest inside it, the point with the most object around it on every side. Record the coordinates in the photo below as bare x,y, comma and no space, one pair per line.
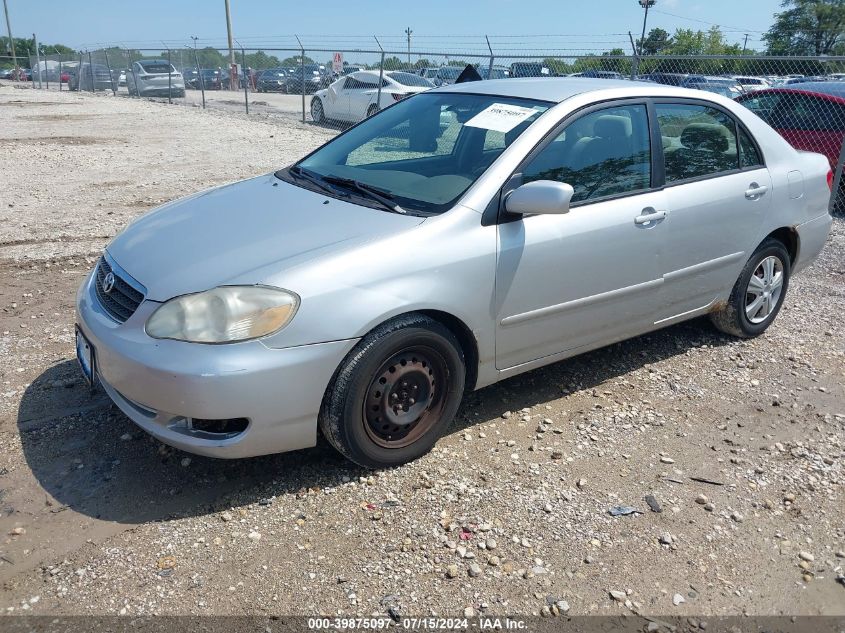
758,294
372,110
395,393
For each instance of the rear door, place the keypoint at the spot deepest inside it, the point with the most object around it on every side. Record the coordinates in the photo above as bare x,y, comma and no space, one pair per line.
718,190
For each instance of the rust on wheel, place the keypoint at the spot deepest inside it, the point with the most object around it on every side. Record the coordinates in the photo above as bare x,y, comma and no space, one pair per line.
406,397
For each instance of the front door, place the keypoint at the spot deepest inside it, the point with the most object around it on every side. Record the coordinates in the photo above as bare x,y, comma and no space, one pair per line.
591,275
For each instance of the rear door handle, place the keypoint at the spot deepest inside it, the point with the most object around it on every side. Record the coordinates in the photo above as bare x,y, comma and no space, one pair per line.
650,215
756,191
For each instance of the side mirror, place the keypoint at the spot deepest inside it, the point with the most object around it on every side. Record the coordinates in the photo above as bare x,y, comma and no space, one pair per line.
540,197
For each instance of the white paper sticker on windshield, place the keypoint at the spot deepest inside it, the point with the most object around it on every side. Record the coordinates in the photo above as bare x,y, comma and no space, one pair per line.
501,117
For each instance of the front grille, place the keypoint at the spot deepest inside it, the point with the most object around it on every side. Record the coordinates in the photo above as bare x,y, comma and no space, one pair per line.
122,301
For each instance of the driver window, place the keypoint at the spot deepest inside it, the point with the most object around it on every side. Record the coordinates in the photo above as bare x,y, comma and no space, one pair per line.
600,154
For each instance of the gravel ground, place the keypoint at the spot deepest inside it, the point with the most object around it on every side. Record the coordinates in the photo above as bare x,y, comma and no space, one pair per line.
731,452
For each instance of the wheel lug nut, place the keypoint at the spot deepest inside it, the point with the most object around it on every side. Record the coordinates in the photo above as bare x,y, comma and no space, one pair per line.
411,401
404,384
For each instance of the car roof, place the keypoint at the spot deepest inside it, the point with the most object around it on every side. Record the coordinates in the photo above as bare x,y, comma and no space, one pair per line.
834,89
557,89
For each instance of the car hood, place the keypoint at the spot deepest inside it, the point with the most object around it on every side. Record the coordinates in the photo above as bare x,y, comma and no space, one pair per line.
243,233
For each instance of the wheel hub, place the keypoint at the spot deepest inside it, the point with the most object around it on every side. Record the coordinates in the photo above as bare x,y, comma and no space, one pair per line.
402,399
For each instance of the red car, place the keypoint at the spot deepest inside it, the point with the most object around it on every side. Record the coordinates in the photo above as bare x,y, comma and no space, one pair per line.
810,116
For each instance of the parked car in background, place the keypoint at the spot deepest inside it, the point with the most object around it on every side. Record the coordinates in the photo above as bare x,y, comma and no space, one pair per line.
208,79
729,88
750,84
308,79
6,73
356,96
361,292
529,69
154,78
810,116
446,75
599,74
189,76
88,75
667,79
496,72
428,73
272,80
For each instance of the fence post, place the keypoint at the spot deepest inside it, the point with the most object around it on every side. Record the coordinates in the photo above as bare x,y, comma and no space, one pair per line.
490,67
91,71
111,74
60,73
37,61
302,73
380,75
635,60
79,74
246,83
199,75
169,78
134,76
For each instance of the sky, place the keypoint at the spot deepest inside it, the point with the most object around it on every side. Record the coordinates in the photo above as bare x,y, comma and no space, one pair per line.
459,24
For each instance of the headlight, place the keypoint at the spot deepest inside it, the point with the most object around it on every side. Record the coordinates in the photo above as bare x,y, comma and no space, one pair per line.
224,315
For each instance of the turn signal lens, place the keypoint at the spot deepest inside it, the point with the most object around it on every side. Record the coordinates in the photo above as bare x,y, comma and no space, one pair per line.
830,179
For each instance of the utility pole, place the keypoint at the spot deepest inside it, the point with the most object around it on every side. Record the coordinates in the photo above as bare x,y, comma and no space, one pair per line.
645,4
232,64
408,32
745,45
11,39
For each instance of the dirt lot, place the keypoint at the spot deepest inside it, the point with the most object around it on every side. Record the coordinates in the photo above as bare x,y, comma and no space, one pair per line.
96,517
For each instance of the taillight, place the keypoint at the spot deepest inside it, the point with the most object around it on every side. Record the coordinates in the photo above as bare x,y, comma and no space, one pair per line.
830,179
397,96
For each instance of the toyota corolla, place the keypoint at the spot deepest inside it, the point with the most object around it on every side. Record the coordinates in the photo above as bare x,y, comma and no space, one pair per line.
457,238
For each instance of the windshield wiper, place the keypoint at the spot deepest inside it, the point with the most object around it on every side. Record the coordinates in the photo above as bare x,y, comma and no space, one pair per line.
379,195
299,172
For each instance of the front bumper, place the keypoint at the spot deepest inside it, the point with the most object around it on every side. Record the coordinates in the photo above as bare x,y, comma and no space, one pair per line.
160,384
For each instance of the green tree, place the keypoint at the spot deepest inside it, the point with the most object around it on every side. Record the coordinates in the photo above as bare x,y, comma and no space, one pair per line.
807,27
655,43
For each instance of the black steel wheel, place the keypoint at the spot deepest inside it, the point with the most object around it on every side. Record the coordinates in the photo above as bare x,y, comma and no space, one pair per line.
395,393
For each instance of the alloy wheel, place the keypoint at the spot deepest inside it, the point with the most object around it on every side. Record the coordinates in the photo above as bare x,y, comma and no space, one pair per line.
762,296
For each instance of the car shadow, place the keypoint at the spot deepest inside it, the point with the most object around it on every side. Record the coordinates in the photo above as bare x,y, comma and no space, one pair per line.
90,458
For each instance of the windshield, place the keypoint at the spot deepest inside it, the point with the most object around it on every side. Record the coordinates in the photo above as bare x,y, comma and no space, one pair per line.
407,79
449,72
423,152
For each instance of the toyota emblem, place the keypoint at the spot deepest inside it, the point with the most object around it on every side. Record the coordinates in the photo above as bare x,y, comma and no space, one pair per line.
108,283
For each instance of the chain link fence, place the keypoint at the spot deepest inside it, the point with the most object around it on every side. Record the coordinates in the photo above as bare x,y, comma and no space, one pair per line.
335,85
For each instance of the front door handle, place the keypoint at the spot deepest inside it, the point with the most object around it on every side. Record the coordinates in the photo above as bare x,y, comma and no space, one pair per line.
756,191
650,215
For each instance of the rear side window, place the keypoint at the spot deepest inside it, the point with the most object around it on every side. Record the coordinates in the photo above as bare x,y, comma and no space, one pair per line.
698,141
600,154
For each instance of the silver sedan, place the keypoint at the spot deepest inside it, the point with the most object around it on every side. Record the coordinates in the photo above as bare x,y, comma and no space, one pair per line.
459,237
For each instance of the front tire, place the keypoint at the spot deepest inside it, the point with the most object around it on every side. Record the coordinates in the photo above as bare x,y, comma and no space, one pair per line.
758,294
395,393
317,114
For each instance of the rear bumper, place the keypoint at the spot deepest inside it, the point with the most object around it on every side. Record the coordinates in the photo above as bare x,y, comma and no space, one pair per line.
812,236
163,385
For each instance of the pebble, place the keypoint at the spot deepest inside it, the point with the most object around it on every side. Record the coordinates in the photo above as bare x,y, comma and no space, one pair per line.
667,460
619,596
806,556
736,516
666,539
702,499
452,571
678,599
474,570
254,536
